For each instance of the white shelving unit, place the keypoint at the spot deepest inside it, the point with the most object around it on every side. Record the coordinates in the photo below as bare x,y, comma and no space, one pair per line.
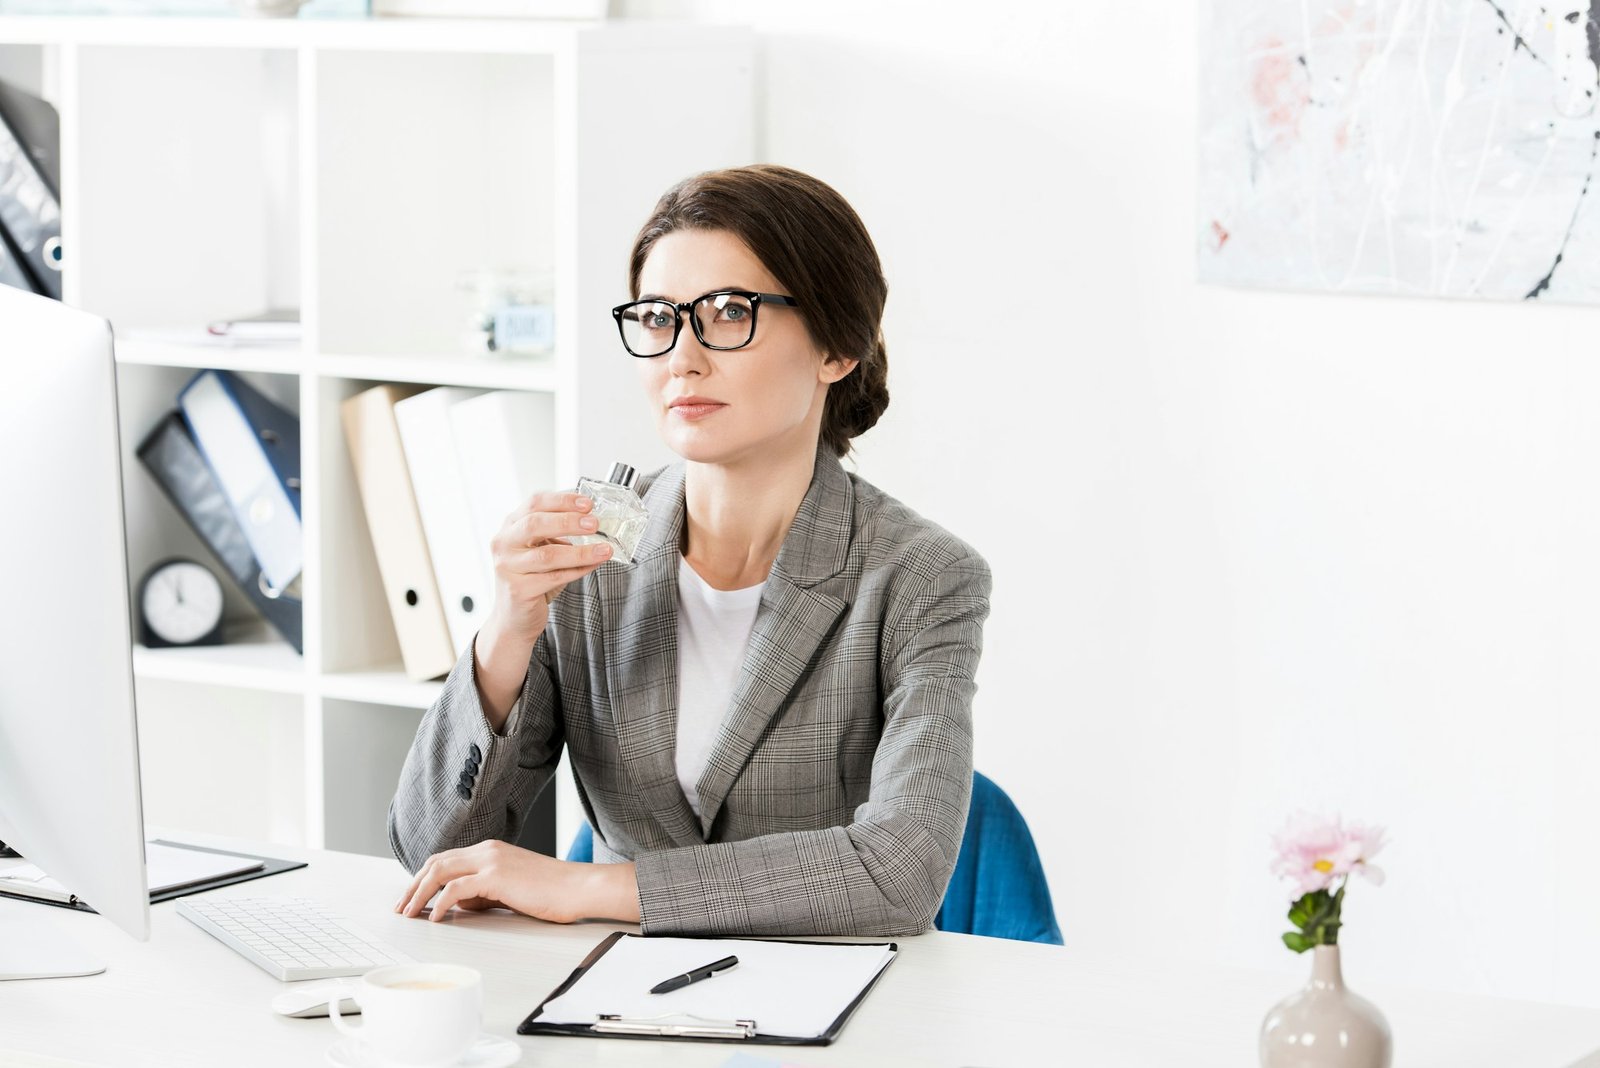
355,169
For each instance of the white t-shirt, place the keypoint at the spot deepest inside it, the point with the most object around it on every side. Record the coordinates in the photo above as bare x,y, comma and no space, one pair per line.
714,629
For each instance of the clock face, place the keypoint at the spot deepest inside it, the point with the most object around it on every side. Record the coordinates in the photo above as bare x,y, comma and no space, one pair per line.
182,602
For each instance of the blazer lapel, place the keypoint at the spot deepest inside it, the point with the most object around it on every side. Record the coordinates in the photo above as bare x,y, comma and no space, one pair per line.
640,608
793,620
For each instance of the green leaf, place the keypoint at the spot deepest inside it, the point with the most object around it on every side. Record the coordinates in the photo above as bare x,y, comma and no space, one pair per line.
1322,925
1300,912
1297,941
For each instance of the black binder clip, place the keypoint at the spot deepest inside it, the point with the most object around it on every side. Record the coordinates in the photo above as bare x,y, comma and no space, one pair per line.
648,1025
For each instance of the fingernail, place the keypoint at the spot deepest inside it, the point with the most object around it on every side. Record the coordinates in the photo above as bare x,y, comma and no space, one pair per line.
602,551
583,503
589,522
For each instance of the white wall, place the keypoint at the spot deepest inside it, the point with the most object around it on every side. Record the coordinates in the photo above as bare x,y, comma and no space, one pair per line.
1292,550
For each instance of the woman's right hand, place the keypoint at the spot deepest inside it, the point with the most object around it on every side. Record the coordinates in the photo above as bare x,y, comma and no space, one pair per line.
533,562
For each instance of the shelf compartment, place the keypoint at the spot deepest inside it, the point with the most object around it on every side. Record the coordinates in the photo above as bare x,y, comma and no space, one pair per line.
364,745
251,784
156,530
251,657
384,685
180,183
536,373
453,174
263,359
548,36
360,650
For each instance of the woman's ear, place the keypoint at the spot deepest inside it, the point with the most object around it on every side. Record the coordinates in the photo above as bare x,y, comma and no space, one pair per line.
835,368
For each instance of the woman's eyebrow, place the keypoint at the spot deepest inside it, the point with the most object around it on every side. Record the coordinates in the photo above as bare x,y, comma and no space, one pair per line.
718,289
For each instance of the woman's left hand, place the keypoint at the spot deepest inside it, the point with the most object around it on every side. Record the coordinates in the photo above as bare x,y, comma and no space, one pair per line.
496,874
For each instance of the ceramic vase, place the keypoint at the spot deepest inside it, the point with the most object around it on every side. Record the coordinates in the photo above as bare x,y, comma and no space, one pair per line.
1325,1025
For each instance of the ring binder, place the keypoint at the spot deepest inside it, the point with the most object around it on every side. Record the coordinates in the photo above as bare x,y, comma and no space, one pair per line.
610,1024
30,214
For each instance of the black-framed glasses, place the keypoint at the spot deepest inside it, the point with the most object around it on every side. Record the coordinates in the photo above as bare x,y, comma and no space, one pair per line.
723,320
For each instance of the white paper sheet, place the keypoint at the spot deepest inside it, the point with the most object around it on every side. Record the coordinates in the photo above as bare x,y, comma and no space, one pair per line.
788,989
170,867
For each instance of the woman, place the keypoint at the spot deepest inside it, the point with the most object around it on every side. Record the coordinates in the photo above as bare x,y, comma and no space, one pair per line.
768,711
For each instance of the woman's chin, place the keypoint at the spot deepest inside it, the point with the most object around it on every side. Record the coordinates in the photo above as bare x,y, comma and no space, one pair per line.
702,444
701,452
701,448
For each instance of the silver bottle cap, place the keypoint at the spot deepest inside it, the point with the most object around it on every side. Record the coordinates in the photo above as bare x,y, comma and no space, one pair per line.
623,475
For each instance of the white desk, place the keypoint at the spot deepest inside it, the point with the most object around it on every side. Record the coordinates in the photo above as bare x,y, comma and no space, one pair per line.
185,999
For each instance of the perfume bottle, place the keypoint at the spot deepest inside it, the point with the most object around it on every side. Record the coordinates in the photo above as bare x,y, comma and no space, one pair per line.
621,513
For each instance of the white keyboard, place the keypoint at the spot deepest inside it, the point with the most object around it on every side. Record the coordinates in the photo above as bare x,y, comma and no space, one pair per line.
288,938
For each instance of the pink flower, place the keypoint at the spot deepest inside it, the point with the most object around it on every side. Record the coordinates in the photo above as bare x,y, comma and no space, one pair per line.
1315,851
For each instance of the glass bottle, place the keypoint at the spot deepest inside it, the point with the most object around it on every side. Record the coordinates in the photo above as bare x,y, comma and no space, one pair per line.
621,513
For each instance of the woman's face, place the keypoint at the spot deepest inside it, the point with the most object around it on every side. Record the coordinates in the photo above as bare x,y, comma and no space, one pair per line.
758,401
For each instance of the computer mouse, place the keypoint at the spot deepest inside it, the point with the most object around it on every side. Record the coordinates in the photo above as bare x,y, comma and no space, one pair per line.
304,1001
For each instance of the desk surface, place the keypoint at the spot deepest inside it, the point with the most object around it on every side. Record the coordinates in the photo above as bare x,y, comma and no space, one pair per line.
185,999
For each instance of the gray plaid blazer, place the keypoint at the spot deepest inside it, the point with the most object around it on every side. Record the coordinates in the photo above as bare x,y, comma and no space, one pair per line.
836,792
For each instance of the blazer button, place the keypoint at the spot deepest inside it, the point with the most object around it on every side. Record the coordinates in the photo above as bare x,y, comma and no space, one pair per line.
477,754
473,762
466,794
466,780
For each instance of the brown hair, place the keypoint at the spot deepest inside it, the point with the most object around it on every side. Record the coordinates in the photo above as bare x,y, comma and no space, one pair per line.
814,244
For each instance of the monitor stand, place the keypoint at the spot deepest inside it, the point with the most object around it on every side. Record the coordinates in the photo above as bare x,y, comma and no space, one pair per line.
36,945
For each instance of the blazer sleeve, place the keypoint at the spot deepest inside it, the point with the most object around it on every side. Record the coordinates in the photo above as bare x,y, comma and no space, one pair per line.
447,799
885,873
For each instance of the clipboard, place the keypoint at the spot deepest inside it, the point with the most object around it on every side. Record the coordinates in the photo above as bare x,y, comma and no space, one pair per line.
269,866
703,1030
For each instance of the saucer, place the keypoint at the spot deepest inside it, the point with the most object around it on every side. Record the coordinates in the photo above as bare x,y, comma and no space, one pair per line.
488,1051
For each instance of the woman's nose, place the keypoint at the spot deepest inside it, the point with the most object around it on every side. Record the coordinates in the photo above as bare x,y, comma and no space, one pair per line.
688,356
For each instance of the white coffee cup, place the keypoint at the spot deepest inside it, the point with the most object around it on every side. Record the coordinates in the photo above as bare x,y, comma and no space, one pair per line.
416,1014
274,9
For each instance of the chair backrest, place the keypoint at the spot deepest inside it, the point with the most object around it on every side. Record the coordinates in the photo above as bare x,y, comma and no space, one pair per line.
998,888
582,847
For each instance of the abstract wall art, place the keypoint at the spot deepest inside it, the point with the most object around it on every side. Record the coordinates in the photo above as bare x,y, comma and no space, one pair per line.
1422,147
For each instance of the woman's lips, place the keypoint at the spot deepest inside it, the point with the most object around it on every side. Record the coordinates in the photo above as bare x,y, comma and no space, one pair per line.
696,411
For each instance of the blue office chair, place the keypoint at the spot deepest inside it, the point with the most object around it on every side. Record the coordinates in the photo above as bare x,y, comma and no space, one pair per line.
998,888
582,847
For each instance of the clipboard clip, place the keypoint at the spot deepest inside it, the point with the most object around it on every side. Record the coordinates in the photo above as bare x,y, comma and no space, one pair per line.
611,1024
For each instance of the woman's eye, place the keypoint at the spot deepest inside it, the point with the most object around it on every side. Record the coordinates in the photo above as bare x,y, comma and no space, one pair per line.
657,321
735,312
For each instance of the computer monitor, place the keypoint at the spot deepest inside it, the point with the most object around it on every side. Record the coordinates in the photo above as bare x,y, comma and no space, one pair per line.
69,755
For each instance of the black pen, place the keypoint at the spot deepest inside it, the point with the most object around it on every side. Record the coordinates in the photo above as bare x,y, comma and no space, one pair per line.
694,976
